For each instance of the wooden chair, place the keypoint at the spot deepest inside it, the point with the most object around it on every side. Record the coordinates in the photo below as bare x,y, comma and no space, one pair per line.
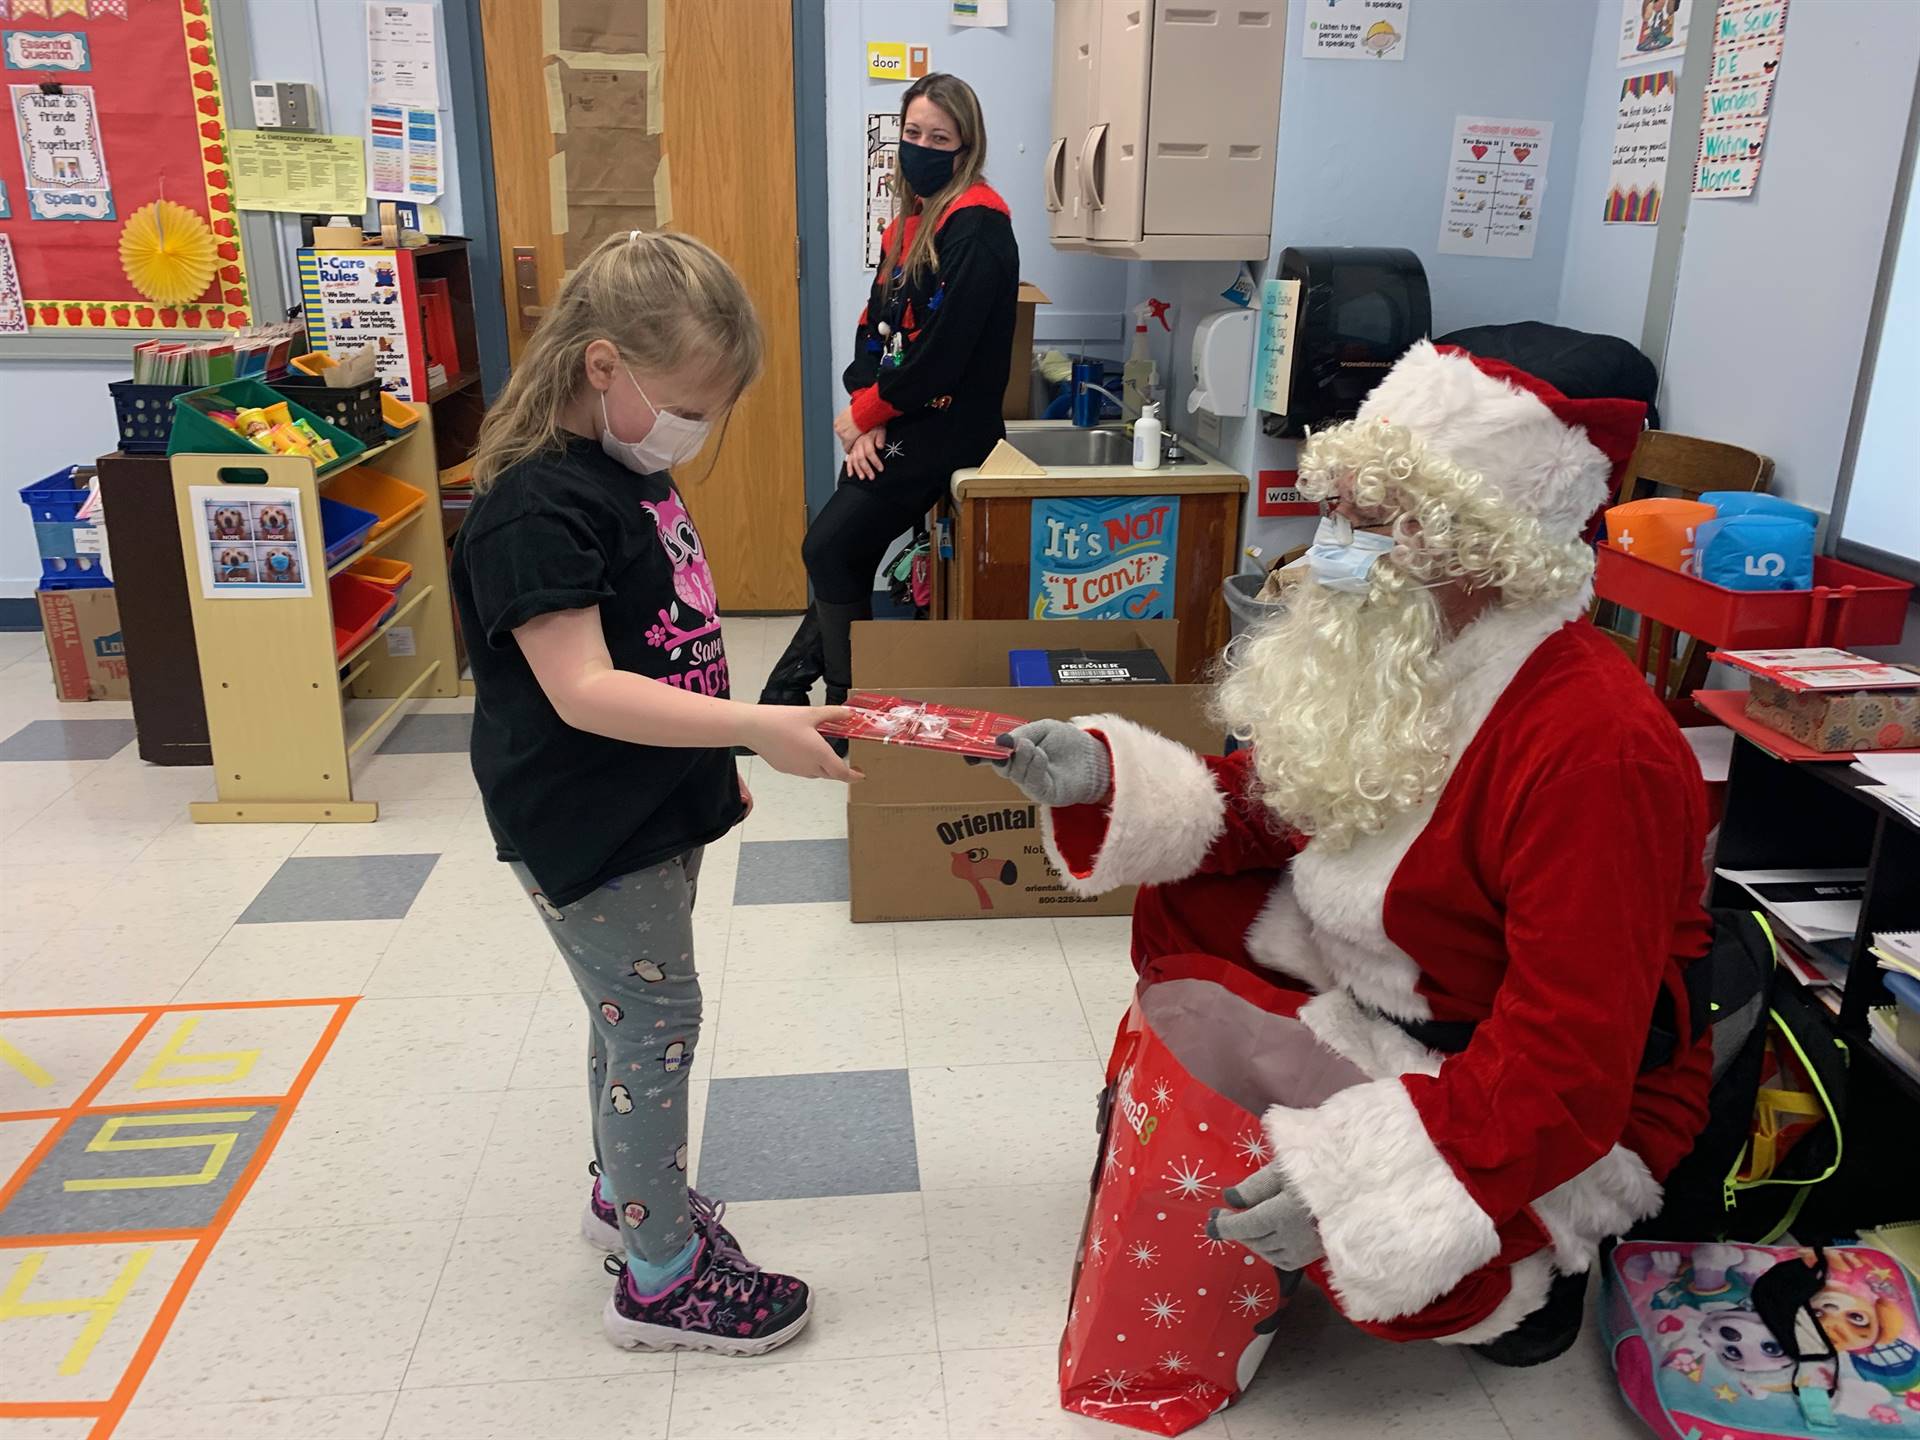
1681,467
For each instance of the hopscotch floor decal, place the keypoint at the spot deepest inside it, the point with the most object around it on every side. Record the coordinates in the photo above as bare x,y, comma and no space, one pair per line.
128,1139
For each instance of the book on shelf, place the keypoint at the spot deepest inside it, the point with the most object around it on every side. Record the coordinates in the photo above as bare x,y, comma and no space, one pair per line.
1898,950
1814,905
1881,1026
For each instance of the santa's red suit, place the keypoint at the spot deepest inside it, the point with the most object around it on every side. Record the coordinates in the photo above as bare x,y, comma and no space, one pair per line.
1549,891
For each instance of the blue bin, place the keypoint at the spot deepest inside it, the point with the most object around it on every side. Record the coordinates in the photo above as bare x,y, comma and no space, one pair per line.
344,528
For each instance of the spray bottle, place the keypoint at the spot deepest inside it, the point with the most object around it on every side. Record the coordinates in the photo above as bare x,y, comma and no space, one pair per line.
1139,377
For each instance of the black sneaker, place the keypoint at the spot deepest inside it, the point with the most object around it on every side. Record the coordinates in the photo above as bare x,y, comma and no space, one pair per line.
1546,1334
725,1304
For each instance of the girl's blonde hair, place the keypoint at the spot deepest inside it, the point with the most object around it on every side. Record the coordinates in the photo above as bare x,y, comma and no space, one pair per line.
956,97
666,301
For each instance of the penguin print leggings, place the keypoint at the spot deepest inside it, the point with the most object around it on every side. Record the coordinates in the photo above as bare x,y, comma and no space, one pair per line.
630,947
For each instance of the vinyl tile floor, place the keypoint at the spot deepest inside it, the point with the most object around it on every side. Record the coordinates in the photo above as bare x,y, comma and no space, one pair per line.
408,1264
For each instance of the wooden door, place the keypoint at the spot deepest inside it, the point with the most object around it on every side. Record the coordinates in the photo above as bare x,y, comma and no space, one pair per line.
609,115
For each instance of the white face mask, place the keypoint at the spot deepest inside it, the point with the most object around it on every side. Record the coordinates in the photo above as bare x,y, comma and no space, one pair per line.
672,439
1341,557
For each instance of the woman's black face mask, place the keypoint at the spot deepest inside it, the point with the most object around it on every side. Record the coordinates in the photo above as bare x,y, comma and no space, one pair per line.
925,169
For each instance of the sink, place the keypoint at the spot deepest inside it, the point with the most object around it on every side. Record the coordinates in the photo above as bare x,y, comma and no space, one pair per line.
1069,446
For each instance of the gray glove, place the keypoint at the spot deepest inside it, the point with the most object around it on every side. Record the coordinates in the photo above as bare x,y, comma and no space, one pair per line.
1271,1221
1054,763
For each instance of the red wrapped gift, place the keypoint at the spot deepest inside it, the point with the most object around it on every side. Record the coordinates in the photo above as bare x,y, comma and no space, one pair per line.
1167,1326
924,725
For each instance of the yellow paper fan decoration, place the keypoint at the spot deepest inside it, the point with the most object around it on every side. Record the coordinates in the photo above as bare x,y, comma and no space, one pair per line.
168,253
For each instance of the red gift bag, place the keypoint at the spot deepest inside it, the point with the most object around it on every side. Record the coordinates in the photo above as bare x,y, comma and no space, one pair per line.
1166,1325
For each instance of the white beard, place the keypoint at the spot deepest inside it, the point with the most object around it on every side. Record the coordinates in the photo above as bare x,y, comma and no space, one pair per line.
1342,700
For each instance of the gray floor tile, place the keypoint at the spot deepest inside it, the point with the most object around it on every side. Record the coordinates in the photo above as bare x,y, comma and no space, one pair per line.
340,887
430,735
791,872
67,740
797,1137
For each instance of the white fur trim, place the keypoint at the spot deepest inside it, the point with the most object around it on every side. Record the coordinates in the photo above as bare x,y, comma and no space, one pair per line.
1377,1046
1167,812
1602,1201
1343,893
1536,463
1400,1229
1281,939
1528,1281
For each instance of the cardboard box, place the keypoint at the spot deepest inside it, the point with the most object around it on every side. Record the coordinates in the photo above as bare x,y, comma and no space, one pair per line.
82,629
932,838
1827,720
1017,403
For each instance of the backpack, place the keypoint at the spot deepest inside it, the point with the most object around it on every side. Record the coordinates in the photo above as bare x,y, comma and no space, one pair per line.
1774,1109
1757,1342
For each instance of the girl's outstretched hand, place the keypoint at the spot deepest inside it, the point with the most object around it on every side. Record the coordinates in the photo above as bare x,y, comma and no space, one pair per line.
787,738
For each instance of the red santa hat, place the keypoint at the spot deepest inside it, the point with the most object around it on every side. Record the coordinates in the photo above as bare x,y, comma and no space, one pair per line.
1548,456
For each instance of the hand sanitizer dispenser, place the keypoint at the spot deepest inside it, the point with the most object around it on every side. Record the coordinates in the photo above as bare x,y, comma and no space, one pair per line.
1223,363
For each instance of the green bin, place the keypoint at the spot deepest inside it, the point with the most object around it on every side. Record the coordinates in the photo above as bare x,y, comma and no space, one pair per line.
196,432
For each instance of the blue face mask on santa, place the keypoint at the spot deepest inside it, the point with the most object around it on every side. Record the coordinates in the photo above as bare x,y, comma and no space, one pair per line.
1341,558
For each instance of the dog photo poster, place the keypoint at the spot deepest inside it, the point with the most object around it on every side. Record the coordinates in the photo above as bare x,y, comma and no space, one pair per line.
250,546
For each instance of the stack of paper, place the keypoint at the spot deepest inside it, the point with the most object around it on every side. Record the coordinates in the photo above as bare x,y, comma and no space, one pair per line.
1815,905
1896,774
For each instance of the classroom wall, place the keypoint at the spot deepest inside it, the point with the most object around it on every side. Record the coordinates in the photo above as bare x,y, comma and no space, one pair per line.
1603,283
1362,161
1775,291
321,42
1012,72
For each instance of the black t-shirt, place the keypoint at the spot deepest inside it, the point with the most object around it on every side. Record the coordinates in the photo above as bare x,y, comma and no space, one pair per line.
562,531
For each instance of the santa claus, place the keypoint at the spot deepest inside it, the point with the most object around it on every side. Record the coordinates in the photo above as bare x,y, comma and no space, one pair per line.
1464,824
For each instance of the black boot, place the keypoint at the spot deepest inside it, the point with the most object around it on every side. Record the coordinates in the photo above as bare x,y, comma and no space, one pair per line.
791,682
1548,1332
836,649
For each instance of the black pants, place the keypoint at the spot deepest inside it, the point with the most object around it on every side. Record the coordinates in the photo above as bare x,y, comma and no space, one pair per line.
849,537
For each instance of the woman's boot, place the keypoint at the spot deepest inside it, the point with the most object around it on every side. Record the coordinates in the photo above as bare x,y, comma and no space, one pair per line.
791,682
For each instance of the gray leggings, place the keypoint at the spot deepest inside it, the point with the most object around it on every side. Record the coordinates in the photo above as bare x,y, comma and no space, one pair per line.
630,947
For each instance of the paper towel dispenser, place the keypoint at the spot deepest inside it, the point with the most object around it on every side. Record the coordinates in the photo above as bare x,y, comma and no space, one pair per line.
1222,364
1360,308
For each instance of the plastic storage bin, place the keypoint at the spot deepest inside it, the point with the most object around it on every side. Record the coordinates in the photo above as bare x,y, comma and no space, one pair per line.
391,500
68,559
390,575
399,416
1848,606
195,432
145,415
343,528
354,408
359,608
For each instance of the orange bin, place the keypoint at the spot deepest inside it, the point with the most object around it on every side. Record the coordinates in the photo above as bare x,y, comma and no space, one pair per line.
397,413
389,574
367,489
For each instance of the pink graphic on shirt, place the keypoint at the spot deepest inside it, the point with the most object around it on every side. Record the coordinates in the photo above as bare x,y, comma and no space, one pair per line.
696,614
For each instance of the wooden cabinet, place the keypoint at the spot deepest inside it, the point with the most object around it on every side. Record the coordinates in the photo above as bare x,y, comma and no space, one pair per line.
1165,120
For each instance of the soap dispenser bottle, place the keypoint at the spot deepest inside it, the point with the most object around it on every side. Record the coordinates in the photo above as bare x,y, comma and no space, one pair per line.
1146,438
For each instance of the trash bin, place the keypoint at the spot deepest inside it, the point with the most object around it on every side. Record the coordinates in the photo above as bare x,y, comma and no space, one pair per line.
1243,606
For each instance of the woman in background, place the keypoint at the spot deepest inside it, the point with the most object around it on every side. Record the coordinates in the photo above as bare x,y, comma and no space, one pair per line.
930,362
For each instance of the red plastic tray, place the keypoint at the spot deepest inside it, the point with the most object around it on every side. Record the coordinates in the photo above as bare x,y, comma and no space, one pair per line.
1847,606
358,608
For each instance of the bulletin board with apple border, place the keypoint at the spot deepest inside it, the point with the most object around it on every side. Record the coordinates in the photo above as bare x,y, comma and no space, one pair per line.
152,81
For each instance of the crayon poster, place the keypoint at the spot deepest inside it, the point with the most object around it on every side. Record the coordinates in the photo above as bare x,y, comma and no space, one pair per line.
1110,558
1641,133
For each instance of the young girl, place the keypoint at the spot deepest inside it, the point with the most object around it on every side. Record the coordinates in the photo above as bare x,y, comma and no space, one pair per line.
603,735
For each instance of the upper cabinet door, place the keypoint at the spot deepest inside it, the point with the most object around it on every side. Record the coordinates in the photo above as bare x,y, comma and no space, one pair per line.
1075,37
1113,151
1216,116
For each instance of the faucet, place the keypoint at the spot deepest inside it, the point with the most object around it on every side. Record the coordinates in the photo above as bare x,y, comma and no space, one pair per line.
1091,411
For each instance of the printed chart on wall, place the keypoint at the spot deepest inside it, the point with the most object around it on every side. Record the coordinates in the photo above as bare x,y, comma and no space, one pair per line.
1108,558
1748,41
1652,30
1642,132
115,105
1496,183
883,140
250,546
1356,30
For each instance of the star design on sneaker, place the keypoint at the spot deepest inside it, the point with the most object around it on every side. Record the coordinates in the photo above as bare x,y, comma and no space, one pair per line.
694,1311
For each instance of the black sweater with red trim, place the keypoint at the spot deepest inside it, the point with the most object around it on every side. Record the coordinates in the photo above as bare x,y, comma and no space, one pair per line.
937,377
